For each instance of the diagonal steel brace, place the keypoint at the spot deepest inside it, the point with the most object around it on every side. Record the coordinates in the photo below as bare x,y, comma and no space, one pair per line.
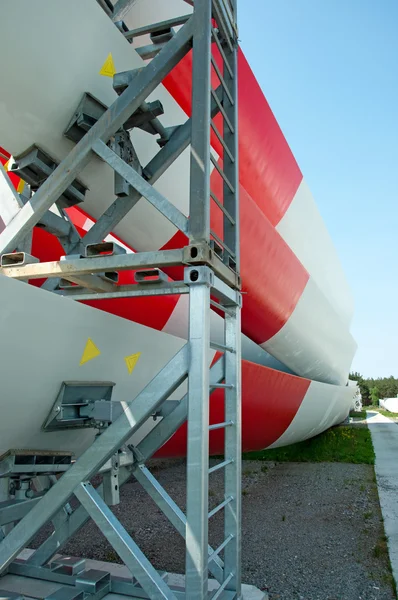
135,413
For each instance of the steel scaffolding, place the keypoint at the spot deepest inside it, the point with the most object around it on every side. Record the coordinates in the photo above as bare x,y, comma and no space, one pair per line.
211,277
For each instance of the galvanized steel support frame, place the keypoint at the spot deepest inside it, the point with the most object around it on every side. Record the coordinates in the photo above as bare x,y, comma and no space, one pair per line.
207,273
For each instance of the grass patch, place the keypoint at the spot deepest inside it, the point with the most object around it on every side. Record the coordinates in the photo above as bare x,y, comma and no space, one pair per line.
340,444
380,549
358,414
387,413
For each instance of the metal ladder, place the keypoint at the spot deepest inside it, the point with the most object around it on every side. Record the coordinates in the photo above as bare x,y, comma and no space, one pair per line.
211,278
223,39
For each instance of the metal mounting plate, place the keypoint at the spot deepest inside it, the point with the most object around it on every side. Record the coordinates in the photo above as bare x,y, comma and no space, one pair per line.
73,397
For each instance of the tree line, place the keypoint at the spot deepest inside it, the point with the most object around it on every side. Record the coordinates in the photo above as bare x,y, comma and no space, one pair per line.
372,390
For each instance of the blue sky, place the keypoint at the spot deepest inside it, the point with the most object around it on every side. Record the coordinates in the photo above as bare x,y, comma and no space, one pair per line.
329,69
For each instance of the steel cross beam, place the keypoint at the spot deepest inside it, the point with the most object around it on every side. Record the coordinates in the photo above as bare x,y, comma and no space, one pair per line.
177,143
121,9
69,525
135,560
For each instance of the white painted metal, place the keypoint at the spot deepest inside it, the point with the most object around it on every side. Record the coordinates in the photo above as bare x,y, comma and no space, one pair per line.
322,407
390,404
304,230
314,342
34,361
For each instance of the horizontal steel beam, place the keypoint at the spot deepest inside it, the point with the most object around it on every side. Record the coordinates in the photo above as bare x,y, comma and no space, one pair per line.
71,268
155,27
83,266
127,291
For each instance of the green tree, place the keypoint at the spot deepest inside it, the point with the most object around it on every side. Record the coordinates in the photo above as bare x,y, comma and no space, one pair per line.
374,395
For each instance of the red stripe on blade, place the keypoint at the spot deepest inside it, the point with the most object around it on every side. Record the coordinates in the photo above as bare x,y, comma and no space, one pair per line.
270,401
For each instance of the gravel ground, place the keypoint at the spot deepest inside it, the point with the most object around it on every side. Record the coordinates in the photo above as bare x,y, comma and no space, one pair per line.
310,531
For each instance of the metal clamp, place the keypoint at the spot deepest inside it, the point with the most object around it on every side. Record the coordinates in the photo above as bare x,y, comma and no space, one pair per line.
198,276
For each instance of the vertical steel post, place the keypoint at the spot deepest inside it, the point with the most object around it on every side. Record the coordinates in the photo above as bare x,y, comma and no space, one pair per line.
196,563
199,204
231,167
233,450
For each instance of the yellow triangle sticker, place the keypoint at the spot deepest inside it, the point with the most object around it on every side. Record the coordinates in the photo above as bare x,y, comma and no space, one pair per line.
131,361
21,186
6,165
90,351
108,68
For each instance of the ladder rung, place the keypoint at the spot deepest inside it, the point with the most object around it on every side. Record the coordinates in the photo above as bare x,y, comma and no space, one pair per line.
222,587
221,207
221,425
155,27
222,244
220,547
224,386
220,507
219,169
216,346
220,48
222,110
221,139
225,21
222,80
228,312
220,465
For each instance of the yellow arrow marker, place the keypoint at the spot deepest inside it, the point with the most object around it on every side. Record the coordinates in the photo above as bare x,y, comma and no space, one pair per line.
131,361
108,68
90,351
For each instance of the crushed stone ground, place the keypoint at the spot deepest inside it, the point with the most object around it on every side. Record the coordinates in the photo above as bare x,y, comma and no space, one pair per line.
311,531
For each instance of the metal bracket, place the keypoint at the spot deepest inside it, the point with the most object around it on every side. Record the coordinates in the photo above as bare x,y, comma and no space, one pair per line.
82,404
166,409
70,565
104,249
90,109
150,276
199,276
17,259
122,146
35,166
111,482
31,462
